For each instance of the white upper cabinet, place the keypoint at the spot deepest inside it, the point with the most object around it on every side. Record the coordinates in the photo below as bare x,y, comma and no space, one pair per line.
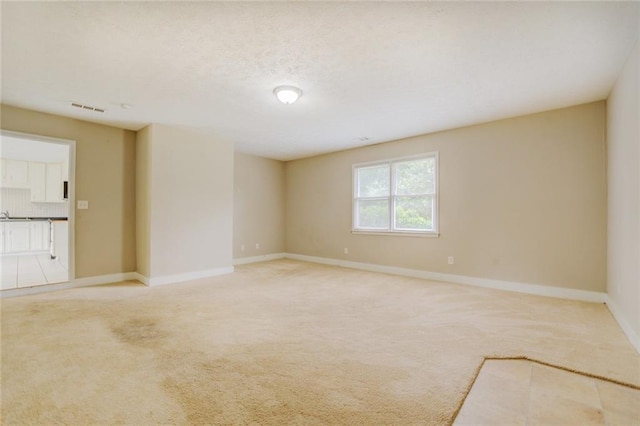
65,170
38,175
54,183
15,173
46,182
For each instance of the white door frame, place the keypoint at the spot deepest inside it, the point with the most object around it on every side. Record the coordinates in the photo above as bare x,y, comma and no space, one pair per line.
71,190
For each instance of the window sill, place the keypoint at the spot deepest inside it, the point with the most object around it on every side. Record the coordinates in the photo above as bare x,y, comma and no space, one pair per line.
397,233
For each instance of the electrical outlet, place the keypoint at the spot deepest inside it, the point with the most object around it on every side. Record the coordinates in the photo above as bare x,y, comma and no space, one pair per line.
346,250
257,245
242,247
450,260
83,204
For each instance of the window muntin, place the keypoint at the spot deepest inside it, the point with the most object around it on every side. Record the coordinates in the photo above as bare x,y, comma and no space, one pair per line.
398,195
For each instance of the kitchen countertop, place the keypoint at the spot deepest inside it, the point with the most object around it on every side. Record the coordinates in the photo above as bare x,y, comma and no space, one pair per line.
29,219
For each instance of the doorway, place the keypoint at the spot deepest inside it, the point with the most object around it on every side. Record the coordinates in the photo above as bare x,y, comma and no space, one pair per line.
37,215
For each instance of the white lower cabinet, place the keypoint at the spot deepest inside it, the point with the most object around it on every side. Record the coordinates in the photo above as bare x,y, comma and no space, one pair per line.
2,232
61,241
39,233
19,237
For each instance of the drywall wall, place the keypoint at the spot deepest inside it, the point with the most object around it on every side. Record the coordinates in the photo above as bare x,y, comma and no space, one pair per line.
521,200
623,155
258,206
143,194
189,179
105,176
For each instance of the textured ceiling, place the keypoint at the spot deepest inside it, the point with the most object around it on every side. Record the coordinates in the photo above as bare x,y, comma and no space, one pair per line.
380,71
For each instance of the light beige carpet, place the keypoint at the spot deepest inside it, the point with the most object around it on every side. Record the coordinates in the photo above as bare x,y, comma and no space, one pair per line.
283,342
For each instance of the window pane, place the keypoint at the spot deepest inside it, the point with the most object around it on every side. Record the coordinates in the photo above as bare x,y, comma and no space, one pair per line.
373,214
414,213
416,177
373,181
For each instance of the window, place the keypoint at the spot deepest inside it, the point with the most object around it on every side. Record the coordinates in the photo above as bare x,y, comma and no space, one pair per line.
396,196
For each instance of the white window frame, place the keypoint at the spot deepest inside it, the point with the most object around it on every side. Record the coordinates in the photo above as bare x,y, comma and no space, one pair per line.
391,162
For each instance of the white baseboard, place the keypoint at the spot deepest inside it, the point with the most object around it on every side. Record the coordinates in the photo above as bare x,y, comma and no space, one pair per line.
188,276
143,279
539,290
78,282
105,279
254,259
114,278
623,323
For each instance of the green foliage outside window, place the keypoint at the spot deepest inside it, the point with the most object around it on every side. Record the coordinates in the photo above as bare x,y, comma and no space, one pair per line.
408,184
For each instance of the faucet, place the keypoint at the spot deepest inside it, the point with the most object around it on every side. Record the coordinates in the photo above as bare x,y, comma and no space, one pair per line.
4,214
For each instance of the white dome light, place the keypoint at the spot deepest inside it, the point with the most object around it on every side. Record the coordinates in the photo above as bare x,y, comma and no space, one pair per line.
287,94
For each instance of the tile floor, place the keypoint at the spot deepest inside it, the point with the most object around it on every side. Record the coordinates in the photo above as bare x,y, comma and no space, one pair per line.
31,270
521,392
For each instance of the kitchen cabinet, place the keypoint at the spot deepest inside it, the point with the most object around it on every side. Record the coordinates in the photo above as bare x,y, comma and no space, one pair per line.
16,237
39,233
65,169
54,183
15,173
60,242
46,182
38,174
25,236
2,234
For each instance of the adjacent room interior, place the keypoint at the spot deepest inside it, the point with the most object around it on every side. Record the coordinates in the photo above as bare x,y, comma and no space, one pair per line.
320,213
34,232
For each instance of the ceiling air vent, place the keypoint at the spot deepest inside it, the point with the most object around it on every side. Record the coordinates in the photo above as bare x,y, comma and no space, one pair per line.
87,107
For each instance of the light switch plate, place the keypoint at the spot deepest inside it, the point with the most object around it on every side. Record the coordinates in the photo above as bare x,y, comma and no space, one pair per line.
83,204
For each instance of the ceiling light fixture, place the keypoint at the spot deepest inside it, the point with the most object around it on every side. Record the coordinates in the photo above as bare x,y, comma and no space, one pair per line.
287,94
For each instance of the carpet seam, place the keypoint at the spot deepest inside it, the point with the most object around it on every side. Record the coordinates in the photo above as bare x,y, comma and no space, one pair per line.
526,358
468,389
570,370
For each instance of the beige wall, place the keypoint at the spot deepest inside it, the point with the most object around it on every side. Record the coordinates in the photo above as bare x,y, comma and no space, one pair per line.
105,176
521,200
143,195
258,215
190,202
623,152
